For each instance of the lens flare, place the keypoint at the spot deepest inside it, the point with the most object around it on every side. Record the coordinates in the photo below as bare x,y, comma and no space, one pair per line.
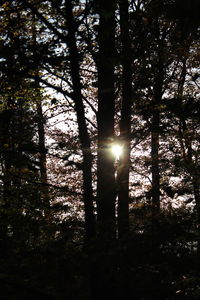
117,150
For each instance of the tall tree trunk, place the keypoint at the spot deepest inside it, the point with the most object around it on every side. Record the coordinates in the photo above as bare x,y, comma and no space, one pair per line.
192,169
43,160
125,123
196,189
155,166
155,144
106,194
125,139
187,146
105,267
155,134
6,141
82,126
5,120
44,190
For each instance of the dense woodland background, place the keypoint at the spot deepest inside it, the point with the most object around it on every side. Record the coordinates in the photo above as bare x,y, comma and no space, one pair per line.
77,77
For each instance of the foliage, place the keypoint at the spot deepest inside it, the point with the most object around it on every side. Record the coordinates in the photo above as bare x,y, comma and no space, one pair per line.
77,77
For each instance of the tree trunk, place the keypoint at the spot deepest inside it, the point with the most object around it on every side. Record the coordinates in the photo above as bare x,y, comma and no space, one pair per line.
106,194
44,191
5,119
155,144
82,126
155,166
43,160
105,266
125,124
155,134
196,188
187,147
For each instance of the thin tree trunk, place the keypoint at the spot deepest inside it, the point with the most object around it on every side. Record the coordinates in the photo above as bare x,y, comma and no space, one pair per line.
6,165
187,148
82,126
192,169
196,188
155,135
125,124
44,190
6,139
155,166
155,144
43,160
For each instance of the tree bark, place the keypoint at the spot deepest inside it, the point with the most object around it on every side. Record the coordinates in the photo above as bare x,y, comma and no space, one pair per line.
5,120
82,126
106,193
105,266
196,189
43,161
44,190
155,133
125,123
155,166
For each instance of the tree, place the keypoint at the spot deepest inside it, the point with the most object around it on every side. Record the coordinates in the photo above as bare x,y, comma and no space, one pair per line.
106,194
19,166
136,92
125,123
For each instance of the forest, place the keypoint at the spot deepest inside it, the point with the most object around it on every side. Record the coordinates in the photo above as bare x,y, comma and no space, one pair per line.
100,149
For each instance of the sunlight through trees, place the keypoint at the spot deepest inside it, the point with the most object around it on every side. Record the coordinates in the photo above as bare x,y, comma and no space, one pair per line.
99,149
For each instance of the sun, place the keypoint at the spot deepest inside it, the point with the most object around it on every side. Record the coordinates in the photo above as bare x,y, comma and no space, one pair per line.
117,150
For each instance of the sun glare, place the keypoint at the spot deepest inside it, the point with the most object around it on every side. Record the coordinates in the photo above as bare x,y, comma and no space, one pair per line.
117,150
